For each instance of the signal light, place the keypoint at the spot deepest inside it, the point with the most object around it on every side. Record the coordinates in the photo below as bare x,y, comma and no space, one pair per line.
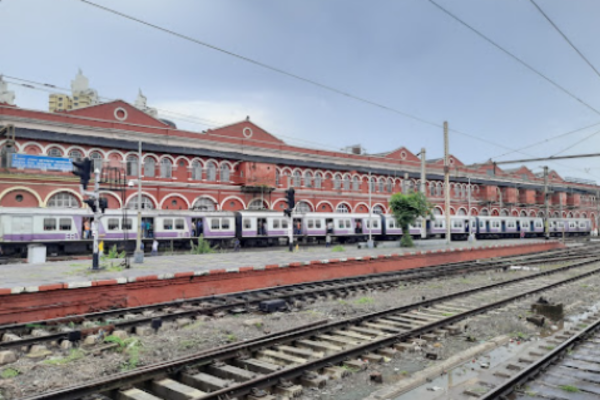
91,203
83,169
103,202
291,200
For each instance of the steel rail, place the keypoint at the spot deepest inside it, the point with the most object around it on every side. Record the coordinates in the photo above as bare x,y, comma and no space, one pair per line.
542,364
173,367
355,283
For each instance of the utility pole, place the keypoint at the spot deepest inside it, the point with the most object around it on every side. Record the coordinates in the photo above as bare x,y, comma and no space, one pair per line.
370,224
138,254
597,211
447,184
471,233
546,205
423,190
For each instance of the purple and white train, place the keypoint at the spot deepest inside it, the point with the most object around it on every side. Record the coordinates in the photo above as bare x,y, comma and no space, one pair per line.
63,230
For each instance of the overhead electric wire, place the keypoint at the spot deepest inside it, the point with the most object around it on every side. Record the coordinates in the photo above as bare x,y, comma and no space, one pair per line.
513,56
575,144
565,37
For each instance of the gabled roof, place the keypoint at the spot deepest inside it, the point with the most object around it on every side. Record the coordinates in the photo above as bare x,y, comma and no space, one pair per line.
245,130
113,111
401,153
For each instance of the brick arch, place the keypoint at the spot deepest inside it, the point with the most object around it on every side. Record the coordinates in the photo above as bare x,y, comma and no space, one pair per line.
30,198
57,191
114,202
361,208
174,201
238,204
32,148
324,206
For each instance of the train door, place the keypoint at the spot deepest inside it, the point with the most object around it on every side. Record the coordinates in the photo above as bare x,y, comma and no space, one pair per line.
197,227
467,226
261,226
503,226
297,226
147,227
329,225
22,227
487,226
518,226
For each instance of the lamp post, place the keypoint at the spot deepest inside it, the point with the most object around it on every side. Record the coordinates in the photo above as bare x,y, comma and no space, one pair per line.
138,254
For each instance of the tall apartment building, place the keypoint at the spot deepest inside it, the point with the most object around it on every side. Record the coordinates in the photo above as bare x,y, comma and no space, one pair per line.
81,96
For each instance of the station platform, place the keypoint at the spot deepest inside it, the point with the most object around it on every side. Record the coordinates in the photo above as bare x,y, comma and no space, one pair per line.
54,289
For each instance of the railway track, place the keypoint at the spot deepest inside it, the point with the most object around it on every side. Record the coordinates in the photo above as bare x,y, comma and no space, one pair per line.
76,328
569,371
283,363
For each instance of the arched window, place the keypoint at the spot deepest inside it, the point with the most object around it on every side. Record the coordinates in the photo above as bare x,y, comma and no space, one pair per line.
211,171
149,167
356,184
63,200
337,182
303,207
55,152
75,155
97,160
166,168
297,179
437,211
372,185
461,211
438,190
225,172
204,204
318,180
196,170
432,187
347,182
381,185
389,185
378,210
484,213
147,203
276,177
308,179
257,204
342,208
132,166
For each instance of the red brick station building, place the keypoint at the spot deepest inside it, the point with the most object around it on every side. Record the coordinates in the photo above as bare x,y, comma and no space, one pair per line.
242,166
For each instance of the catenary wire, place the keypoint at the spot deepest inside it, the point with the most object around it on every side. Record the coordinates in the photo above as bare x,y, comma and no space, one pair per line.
565,37
575,144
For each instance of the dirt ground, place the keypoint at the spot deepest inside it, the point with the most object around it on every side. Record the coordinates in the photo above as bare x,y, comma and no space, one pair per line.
27,376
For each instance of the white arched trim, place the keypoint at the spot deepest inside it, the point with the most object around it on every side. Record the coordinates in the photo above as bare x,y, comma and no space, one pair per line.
225,162
26,189
184,158
265,201
319,204
305,170
452,211
206,196
52,193
232,197
200,161
308,202
143,194
328,175
211,160
113,195
362,203
441,210
187,202
117,152
131,153
25,145
150,155
58,146
461,208
484,209
474,211
532,213
506,211
350,209
235,164
286,170
384,208
170,157
96,149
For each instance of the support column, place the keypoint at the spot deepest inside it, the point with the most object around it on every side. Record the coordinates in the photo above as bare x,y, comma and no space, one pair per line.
423,190
447,184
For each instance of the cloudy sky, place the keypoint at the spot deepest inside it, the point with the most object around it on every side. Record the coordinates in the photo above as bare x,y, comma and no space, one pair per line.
404,54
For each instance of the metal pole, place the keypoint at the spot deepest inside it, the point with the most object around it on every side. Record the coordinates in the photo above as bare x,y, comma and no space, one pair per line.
97,213
138,254
447,184
597,211
471,233
370,242
546,206
423,190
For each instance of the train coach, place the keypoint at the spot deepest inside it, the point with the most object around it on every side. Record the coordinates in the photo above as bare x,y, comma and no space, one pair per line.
66,231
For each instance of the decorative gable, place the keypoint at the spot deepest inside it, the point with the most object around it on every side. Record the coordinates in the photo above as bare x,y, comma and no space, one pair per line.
118,111
245,130
404,154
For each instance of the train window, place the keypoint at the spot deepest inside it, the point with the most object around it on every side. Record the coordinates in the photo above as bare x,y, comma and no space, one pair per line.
214,224
49,224
168,224
126,224
390,223
375,224
538,224
417,224
179,225
318,223
340,223
275,224
247,224
368,223
348,224
225,223
284,223
64,224
311,223
112,224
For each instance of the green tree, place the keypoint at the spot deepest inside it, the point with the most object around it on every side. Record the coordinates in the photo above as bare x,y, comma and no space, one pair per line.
406,208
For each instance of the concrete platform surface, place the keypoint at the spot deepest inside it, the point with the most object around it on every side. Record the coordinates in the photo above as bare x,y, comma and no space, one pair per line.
77,273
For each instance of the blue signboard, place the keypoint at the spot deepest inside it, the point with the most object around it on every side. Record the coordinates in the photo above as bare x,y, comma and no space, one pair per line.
25,161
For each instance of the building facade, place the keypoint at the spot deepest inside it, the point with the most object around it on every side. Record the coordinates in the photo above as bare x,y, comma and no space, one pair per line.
242,166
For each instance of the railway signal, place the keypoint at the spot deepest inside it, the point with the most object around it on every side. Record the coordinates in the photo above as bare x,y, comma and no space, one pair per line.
103,203
83,169
91,202
291,200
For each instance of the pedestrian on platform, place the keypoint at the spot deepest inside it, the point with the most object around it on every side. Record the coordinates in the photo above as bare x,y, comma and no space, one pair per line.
327,240
154,248
236,245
